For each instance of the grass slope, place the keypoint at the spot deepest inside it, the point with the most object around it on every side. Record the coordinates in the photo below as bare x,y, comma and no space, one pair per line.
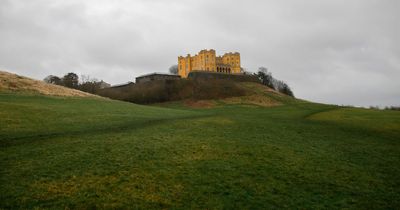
90,153
13,83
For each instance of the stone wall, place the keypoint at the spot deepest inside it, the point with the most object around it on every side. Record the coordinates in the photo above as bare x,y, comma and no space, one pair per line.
156,76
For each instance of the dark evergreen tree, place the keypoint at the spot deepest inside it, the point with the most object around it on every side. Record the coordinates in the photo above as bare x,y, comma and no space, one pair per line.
53,80
71,80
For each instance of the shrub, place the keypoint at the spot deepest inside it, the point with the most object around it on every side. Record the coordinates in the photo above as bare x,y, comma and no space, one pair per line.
173,90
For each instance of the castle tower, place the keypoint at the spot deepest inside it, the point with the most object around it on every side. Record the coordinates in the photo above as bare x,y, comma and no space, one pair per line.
206,60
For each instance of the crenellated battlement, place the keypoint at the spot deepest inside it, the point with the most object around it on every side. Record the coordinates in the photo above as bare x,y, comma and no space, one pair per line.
207,60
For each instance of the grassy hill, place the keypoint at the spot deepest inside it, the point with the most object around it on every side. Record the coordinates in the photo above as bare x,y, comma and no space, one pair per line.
192,90
239,153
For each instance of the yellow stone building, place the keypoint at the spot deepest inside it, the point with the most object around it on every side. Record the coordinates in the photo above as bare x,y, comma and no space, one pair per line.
207,60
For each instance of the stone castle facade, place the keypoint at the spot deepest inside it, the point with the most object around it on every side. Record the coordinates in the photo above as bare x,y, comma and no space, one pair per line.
207,60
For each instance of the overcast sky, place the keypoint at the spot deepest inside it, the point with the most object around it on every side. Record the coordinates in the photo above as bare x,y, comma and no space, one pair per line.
330,51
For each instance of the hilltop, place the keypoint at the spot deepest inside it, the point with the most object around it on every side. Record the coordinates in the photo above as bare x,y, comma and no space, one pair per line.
197,92
192,93
10,82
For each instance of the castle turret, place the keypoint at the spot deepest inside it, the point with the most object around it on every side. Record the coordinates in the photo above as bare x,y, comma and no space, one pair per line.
206,60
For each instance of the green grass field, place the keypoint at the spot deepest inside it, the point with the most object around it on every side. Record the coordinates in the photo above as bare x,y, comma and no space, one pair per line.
85,153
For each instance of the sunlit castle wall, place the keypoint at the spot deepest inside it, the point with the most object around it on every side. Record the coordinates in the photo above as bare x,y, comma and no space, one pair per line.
206,60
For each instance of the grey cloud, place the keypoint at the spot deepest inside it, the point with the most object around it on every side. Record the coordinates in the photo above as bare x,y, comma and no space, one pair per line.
335,51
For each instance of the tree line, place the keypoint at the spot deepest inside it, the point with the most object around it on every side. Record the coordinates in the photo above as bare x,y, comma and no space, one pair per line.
393,108
92,85
72,80
268,80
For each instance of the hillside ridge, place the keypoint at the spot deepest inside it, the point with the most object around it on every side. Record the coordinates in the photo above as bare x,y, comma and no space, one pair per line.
198,92
10,82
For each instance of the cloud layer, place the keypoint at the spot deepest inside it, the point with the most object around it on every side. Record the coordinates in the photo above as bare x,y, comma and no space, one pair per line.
336,51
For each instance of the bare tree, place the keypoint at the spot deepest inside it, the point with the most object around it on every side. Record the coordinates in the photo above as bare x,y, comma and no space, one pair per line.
265,77
173,69
90,85
268,80
84,79
245,72
282,87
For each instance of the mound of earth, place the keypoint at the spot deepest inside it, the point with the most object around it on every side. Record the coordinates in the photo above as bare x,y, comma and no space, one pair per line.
14,83
260,95
255,94
246,93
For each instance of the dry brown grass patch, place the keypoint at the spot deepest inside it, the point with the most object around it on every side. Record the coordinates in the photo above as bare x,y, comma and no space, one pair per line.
200,103
258,100
14,83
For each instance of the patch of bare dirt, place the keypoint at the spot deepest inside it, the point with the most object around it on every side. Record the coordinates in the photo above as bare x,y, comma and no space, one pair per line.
257,88
258,100
255,95
15,83
200,103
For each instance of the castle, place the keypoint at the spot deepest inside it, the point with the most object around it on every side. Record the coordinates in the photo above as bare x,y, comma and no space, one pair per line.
207,60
